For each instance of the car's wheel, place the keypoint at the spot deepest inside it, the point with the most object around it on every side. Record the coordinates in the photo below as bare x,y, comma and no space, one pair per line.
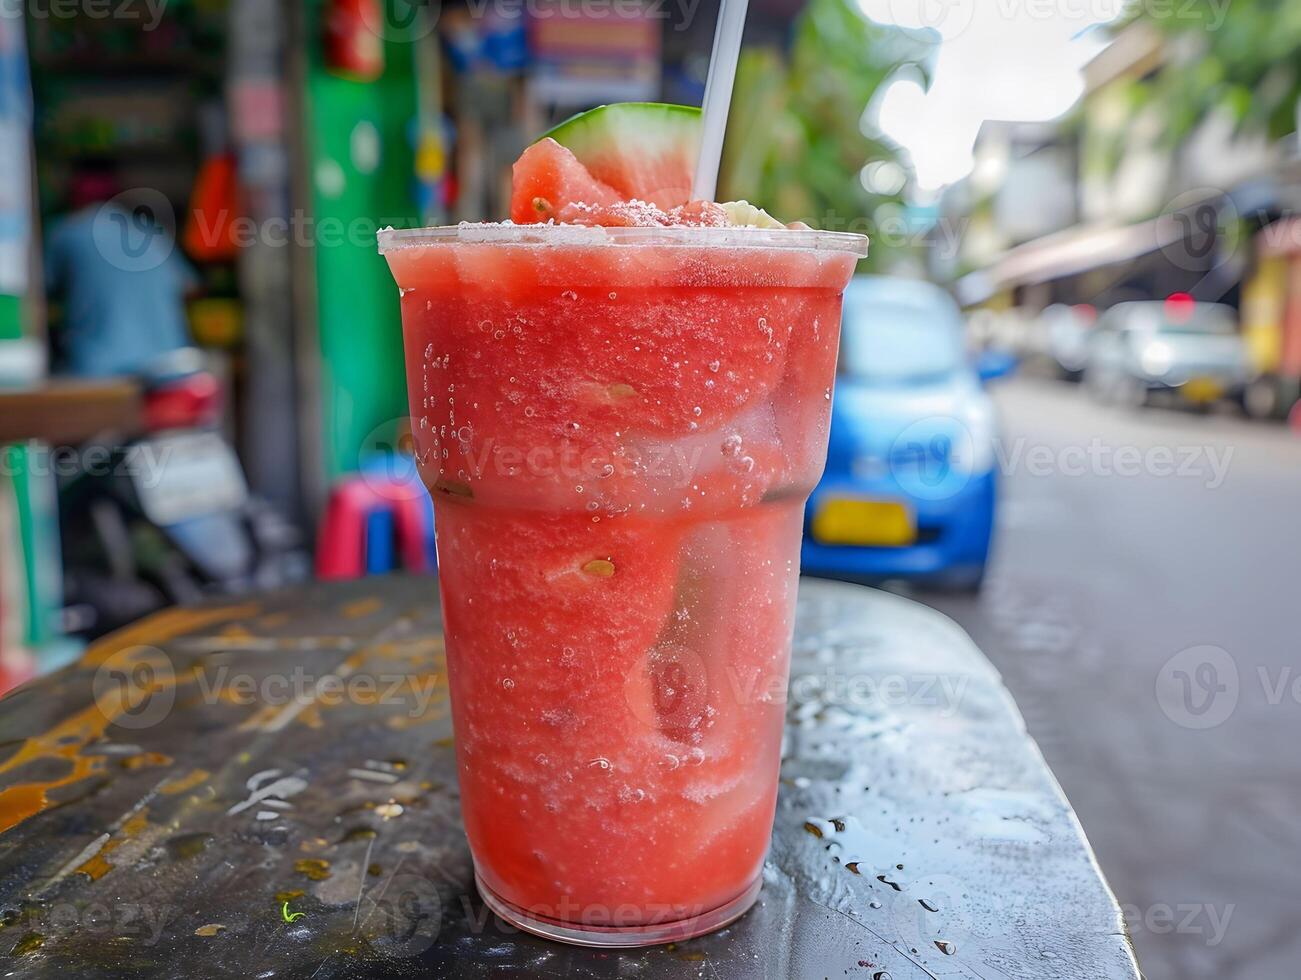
1262,400
1129,392
1112,387
966,581
1095,384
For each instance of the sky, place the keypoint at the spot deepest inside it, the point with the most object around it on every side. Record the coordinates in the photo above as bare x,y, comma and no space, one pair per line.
1014,60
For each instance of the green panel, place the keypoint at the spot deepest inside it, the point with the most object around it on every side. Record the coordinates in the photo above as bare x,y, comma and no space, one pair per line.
11,321
363,382
38,521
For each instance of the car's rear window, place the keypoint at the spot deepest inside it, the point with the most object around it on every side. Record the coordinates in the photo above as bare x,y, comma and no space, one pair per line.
893,342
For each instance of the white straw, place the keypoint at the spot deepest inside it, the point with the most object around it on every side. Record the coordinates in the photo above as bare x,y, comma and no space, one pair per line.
718,96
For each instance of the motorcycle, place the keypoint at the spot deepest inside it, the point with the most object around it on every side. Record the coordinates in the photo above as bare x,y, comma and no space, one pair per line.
168,518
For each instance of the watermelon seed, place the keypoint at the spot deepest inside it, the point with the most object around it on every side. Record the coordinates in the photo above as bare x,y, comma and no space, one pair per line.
622,391
541,205
600,567
453,488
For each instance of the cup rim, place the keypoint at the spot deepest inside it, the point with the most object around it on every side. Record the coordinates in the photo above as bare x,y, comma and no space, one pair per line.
550,235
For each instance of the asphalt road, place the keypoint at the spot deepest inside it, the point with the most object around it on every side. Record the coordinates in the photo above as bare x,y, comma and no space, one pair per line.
1143,606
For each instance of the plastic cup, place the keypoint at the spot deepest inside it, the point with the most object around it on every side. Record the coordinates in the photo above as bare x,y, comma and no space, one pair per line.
620,428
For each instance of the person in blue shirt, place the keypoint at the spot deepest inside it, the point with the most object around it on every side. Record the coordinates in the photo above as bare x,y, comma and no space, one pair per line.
122,279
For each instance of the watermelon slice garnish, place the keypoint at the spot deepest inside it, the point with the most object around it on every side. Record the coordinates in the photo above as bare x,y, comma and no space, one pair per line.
630,151
646,151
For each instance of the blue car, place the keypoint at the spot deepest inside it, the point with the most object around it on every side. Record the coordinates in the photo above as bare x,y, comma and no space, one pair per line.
910,485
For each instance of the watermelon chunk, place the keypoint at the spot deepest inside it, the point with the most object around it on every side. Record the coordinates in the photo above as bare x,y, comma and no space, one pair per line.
631,151
546,178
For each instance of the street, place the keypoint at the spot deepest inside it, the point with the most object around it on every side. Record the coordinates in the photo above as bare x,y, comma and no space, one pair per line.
1142,606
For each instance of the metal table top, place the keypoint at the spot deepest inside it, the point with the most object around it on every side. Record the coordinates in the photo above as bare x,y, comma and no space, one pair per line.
267,788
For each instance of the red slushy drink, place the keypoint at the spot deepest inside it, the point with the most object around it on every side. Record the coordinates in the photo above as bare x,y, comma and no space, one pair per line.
620,427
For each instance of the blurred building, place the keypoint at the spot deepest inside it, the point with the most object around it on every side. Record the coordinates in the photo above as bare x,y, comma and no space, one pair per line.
1101,206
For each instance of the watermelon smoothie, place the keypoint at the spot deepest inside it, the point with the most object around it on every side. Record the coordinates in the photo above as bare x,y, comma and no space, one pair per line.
619,428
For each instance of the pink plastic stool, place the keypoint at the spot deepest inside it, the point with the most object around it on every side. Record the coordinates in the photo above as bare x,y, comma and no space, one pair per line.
341,539
342,545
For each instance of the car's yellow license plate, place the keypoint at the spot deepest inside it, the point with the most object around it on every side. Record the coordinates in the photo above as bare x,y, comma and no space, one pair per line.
1202,390
844,520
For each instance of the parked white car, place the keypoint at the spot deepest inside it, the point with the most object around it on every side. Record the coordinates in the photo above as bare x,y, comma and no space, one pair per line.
1178,346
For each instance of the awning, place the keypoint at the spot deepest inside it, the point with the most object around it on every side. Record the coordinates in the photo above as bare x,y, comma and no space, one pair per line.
1078,250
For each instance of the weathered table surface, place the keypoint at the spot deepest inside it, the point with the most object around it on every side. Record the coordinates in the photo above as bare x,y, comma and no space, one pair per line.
267,789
